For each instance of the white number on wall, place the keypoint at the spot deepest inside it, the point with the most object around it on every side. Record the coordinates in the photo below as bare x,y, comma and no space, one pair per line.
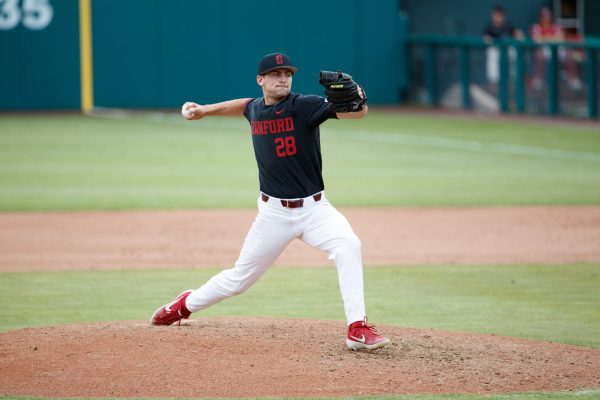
37,14
34,14
10,15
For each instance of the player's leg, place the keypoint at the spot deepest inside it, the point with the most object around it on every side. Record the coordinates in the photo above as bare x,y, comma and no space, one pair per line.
327,229
270,233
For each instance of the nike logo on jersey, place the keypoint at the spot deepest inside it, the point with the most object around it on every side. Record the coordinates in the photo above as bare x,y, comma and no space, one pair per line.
279,111
361,339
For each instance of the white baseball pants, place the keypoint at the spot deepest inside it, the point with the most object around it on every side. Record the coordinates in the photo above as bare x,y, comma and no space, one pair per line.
318,224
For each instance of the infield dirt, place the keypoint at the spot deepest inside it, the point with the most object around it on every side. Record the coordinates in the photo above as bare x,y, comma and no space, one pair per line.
248,357
213,238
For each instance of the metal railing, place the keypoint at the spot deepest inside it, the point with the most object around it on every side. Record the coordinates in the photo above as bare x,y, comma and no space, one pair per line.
464,45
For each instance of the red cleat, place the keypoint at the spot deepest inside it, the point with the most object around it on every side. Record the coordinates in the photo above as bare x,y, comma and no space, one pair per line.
363,336
172,312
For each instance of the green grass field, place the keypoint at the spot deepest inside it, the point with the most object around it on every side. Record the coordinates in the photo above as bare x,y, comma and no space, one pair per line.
159,161
557,303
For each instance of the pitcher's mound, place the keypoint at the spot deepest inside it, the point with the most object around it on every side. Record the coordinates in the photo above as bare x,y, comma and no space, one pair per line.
248,357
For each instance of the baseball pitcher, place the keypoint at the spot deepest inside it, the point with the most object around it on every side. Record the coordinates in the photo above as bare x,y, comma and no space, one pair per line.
292,202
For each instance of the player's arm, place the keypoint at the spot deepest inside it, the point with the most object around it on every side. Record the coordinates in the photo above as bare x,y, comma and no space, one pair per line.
232,108
354,115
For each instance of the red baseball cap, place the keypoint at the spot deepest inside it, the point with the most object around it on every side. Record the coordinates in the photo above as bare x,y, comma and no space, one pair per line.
275,61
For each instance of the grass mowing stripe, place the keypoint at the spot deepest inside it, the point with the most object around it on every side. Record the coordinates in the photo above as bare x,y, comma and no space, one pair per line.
373,136
469,145
556,303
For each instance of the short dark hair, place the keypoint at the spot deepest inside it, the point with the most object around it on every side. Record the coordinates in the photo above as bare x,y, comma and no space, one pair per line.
498,8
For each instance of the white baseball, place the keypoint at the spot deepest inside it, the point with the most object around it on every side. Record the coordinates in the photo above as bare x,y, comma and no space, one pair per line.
185,112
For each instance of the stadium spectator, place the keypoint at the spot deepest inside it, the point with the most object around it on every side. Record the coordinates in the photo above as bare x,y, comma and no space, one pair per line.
496,29
546,31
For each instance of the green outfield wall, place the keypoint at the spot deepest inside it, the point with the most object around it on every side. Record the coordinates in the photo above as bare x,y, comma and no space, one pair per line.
39,61
157,54
151,54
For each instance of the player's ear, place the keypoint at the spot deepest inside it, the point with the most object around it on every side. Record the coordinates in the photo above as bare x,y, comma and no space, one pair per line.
260,79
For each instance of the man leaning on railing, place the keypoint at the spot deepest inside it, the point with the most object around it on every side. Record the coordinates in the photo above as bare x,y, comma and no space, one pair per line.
498,28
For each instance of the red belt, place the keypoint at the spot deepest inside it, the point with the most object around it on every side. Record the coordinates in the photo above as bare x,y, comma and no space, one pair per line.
293,203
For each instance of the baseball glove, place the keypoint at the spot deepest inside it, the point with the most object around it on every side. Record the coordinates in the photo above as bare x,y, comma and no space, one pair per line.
342,92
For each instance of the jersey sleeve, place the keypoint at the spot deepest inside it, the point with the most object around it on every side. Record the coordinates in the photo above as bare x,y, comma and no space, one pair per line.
247,108
315,109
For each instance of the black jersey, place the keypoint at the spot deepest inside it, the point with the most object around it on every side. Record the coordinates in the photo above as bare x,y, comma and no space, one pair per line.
287,144
499,32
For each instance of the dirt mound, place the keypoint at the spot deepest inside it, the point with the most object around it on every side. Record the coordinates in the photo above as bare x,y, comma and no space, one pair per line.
247,357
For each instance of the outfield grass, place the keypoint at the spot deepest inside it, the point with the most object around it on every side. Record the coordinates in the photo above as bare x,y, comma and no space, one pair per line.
142,161
555,303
